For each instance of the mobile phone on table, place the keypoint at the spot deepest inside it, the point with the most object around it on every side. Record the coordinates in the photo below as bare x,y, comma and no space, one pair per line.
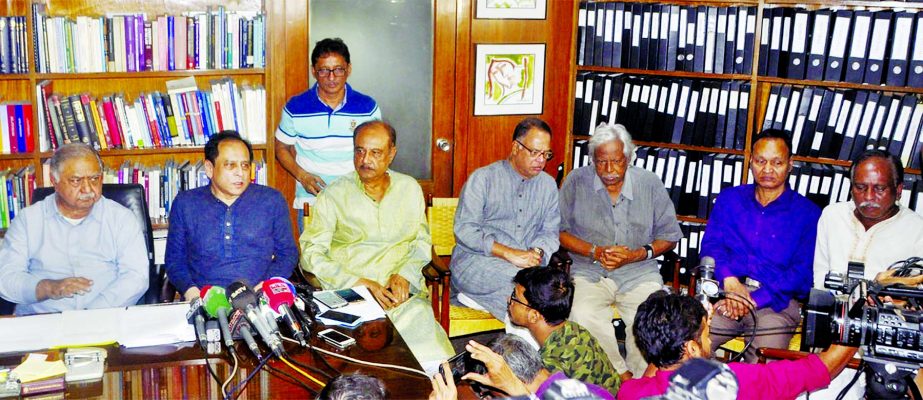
350,295
336,338
341,317
330,299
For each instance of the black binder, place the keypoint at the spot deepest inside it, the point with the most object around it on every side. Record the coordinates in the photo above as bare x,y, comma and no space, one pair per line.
836,57
748,41
672,39
817,57
701,26
881,27
765,36
915,68
798,57
900,49
852,125
858,46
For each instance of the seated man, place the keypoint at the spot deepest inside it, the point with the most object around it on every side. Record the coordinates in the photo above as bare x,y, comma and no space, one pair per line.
513,366
672,329
369,228
354,386
507,219
873,228
615,219
541,302
761,236
230,229
74,250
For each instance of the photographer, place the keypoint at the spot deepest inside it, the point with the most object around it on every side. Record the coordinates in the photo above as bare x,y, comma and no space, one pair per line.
672,329
513,366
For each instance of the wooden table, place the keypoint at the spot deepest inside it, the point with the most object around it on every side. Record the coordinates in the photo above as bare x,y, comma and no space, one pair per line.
179,372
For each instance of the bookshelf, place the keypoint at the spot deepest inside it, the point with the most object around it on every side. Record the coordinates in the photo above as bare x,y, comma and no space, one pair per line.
273,75
622,63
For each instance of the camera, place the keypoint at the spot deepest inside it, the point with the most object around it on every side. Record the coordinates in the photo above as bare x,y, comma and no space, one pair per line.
851,313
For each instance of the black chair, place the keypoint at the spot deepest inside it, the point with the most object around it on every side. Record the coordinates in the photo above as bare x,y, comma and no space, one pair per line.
132,197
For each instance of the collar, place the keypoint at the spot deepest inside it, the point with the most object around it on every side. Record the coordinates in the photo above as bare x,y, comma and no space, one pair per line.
212,196
346,90
508,167
901,211
627,185
51,209
361,187
783,201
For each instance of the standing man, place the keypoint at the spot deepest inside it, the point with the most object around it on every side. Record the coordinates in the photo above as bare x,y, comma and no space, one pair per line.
369,228
615,220
75,249
314,141
762,239
230,229
507,219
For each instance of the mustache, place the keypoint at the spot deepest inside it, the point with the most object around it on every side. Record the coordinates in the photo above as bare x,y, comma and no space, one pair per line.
86,196
611,176
868,204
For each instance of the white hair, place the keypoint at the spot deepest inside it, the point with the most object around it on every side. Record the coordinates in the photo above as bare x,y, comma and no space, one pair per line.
606,133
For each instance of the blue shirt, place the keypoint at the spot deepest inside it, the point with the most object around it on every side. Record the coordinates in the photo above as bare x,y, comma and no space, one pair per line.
211,243
323,136
772,244
106,247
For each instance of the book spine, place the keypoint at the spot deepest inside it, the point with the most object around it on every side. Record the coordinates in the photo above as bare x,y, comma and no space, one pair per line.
80,120
92,134
98,125
171,49
115,133
148,47
70,124
27,127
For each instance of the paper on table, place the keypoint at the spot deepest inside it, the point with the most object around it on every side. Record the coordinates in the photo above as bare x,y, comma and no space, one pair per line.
367,310
90,327
29,333
35,368
155,325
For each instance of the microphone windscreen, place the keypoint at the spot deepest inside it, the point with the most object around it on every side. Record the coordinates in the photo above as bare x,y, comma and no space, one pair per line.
237,321
215,300
707,260
277,292
241,296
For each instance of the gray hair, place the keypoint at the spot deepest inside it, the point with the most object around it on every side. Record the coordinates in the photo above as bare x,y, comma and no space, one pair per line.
69,152
355,386
523,359
606,133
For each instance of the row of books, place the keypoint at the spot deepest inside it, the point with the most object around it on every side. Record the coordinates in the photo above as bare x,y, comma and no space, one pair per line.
666,37
211,39
841,124
16,128
16,186
693,112
858,46
13,56
182,116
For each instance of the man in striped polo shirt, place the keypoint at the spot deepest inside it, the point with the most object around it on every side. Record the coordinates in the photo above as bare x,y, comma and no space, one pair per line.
314,141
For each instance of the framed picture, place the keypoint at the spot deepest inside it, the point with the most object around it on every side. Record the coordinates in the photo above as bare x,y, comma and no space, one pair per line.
509,79
511,9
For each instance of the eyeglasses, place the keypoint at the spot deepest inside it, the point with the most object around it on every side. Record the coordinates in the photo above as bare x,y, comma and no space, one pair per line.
338,71
547,155
77,181
513,298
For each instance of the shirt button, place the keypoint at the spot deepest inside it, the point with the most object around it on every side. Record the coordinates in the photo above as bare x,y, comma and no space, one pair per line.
520,210
518,226
227,237
227,224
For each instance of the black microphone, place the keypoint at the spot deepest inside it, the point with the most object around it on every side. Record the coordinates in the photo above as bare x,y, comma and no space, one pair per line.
240,326
243,299
196,317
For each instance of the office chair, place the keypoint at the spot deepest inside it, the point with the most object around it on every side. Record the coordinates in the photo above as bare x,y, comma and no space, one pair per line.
131,196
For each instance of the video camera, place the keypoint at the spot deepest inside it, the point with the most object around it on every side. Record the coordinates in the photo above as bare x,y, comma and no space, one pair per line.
852,313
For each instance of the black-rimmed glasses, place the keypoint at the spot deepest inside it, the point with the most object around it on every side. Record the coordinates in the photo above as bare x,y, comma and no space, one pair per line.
548,155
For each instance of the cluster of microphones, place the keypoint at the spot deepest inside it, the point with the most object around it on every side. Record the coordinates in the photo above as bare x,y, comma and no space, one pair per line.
224,314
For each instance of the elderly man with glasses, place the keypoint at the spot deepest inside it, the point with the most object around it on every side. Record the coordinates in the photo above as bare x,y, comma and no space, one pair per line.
314,141
507,219
615,219
75,249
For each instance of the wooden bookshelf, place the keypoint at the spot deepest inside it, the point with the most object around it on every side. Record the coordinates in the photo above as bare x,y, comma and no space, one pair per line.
671,74
839,85
674,146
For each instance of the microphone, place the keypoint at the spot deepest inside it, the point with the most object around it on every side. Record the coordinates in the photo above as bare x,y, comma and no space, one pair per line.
706,286
281,299
239,325
217,306
195,317
244,300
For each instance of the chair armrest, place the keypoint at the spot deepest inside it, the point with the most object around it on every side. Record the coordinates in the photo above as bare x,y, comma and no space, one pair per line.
436,270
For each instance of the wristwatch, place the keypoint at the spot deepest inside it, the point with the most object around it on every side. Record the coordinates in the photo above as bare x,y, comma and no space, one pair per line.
650,251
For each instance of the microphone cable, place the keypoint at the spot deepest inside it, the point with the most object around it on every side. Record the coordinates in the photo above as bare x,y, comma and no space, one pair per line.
369,363
240,386
300,371
313,369
224,385
208,365
752,313
291,379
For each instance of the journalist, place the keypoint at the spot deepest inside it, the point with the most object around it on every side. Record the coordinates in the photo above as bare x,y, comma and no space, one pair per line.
671,329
